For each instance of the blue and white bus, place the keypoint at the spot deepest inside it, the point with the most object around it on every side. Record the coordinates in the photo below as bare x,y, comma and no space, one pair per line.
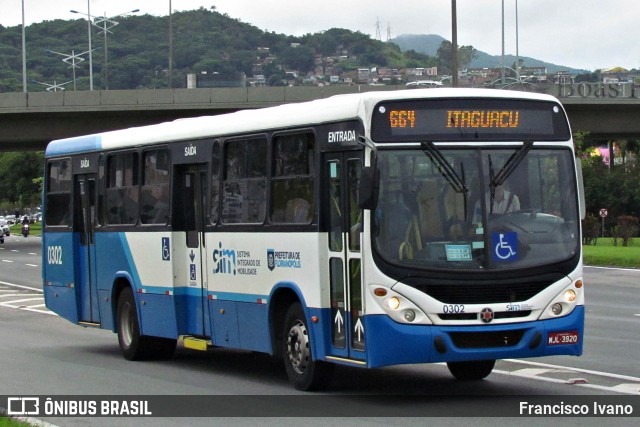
372,229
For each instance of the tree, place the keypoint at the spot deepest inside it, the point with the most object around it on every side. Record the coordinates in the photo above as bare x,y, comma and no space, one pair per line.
18,170
465,56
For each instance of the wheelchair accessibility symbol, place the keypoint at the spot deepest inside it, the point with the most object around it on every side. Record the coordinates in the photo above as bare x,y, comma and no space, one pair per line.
505,246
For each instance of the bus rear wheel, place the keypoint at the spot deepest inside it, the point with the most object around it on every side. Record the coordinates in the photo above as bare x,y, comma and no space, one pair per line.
303,371
471,371
133,345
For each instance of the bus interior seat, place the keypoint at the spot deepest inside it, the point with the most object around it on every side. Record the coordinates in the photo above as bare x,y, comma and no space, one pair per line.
297,211
453,203
396,218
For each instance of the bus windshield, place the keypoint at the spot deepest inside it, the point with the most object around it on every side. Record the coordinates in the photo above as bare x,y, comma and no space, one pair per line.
476,208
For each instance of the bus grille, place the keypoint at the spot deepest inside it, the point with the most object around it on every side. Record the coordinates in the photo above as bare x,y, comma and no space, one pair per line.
474,316
487,339
482,293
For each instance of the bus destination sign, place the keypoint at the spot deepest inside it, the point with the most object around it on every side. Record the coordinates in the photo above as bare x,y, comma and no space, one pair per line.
462,119
468,120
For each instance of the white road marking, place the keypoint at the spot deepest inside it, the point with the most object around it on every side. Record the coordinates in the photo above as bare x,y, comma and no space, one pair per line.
20,286
561,381
15,301
38,296
584,371
20,295
637,270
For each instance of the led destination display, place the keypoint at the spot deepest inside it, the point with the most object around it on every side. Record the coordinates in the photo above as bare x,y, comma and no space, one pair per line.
468,120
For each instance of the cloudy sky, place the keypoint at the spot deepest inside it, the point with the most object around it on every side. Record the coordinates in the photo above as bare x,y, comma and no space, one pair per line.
588,34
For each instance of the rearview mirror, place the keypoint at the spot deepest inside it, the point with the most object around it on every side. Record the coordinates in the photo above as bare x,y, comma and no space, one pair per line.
369,187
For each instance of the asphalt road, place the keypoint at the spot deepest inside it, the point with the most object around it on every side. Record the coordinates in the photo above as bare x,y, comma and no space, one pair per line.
41,354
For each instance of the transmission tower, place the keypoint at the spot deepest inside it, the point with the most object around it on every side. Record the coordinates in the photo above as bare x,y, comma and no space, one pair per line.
388,31
378,34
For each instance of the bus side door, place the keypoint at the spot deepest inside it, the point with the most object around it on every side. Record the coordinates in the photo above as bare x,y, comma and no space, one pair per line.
344,222
188,221
84,227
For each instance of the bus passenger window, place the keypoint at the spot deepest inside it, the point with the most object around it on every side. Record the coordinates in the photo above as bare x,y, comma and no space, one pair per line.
245,182
154,194
121,202
292,180
215,184
58,195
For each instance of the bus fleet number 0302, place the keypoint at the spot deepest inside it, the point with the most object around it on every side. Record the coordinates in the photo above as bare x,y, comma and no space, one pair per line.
54,255
453,308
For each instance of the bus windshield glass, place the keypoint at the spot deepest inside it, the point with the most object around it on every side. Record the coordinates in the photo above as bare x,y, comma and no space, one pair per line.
469,120
443,208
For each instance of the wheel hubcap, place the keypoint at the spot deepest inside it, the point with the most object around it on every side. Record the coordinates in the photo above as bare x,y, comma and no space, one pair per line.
126,326
298,347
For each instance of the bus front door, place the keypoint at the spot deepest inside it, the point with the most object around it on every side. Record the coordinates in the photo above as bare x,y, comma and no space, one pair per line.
84,228
188,221
344,218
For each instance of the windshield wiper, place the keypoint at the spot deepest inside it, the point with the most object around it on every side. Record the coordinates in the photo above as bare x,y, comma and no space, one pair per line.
445,168
510,165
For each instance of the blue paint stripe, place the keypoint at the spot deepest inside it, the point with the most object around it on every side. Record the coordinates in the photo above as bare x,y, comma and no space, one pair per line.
129,256
74,145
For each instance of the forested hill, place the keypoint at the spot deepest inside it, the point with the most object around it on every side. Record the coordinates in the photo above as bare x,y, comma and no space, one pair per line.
203,40
429,44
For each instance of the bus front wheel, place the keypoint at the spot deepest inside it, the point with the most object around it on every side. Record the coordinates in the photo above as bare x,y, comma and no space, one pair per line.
303,372
133,345
471,371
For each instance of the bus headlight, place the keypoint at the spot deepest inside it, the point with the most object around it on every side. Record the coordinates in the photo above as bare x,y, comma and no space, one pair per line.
564,302
569,295
409,315
400,308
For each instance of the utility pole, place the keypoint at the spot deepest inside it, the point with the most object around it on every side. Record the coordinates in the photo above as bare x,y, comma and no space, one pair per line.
503,76
170,46
24,55
454,44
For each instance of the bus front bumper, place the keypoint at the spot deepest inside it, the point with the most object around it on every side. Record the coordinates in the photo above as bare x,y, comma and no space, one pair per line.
392,343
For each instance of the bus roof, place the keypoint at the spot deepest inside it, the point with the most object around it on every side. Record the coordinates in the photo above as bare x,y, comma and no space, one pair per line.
326,110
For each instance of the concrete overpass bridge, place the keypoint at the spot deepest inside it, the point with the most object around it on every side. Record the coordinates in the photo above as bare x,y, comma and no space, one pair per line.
28,121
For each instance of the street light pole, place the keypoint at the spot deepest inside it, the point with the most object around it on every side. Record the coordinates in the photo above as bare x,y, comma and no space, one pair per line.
24,55
107,24
170,46
72,59
517,53
88,14
503,76
454,44
90,55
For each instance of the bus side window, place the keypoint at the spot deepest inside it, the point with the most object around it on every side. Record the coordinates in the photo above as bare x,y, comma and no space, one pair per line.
58,195
245,181
154,194
121,202
215,184
292,198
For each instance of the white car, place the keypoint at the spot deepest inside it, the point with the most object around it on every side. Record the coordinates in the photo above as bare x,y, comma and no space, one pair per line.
4,225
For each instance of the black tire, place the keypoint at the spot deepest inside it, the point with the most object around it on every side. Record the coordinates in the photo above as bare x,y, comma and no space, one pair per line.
471,371
304,373
133,345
